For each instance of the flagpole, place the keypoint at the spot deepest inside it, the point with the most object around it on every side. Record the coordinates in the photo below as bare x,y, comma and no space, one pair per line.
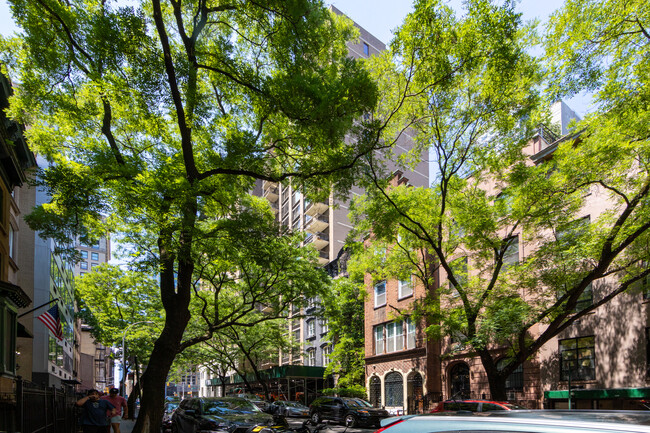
40,306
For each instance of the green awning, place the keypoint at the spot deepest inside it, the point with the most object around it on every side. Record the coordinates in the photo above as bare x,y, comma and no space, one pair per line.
283,372
598,394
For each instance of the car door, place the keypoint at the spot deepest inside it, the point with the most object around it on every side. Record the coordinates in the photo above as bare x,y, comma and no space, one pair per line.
327,408
339,410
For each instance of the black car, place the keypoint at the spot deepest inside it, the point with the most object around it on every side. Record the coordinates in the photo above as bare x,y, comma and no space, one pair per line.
231,414
170,407
346,410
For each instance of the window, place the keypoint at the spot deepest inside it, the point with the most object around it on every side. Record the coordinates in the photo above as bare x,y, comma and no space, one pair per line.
311,356
311,328
569,234
515,380
94,256
394,389
586,299
327,351
83,265
366,49
84,254
511,255
92,266
405,288
394,336
12,241
324,326
410,334
379,340
380,294
578,359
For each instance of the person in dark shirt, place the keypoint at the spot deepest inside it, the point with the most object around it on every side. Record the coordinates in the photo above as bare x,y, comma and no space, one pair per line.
94,419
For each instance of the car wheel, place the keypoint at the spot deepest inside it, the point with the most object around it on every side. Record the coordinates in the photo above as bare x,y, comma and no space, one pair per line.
350,421
315,418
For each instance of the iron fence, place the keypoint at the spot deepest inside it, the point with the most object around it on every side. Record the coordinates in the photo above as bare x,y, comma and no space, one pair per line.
38,409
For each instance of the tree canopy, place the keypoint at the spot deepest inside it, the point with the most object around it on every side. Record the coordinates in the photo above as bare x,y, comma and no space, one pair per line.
489,199
157,118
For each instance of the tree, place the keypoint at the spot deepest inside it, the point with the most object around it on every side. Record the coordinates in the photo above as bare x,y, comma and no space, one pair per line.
111,298
343,310
487,198
158,119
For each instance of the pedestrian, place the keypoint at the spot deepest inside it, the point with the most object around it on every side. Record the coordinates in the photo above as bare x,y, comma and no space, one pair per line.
120,403
94,419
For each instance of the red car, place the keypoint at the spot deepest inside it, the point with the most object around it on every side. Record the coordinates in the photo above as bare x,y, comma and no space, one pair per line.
474,406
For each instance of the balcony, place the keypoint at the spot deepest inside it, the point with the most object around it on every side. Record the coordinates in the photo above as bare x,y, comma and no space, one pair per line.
316,225
323,257
318,241
314,209
271,193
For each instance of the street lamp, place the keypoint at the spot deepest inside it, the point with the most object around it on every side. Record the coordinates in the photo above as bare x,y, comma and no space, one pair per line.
123,382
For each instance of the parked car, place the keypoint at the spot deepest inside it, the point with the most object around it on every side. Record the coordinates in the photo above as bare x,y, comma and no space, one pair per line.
544,421
207,414
289,408
345,410
255,399
474,406
168,411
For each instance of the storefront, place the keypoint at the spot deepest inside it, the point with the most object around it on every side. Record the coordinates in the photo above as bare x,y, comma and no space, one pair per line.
286,382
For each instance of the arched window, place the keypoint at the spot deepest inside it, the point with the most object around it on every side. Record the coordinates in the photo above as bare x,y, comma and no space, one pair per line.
394,389
375,391
516,379
459,381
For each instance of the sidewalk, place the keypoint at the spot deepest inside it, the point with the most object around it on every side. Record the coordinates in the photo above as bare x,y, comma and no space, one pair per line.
126,426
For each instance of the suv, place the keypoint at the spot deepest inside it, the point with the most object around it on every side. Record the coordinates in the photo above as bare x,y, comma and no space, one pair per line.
345,410
474,406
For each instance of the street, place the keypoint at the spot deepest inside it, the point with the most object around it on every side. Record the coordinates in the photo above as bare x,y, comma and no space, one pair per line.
333,428
127,427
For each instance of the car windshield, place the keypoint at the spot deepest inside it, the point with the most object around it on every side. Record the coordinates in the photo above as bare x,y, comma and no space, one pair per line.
356,402
224,407
170,407
293,404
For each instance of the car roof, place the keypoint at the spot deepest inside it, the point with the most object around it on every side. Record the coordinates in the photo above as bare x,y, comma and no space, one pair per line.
535,421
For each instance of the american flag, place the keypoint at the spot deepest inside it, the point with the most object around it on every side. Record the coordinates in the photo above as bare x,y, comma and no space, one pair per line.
51,319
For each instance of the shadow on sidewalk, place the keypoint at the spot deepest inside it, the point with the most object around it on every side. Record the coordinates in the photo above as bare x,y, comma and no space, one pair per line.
126,426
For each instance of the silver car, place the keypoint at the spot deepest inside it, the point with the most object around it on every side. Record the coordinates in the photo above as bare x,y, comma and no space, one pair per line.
529,421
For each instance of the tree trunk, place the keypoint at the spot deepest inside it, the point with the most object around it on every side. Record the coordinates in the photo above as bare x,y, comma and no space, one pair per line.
130,403
155,375
496,378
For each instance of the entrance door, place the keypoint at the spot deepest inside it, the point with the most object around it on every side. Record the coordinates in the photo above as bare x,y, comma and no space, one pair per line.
459,382
414,393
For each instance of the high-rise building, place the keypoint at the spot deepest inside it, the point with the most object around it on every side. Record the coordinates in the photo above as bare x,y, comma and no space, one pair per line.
96,366
326,225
